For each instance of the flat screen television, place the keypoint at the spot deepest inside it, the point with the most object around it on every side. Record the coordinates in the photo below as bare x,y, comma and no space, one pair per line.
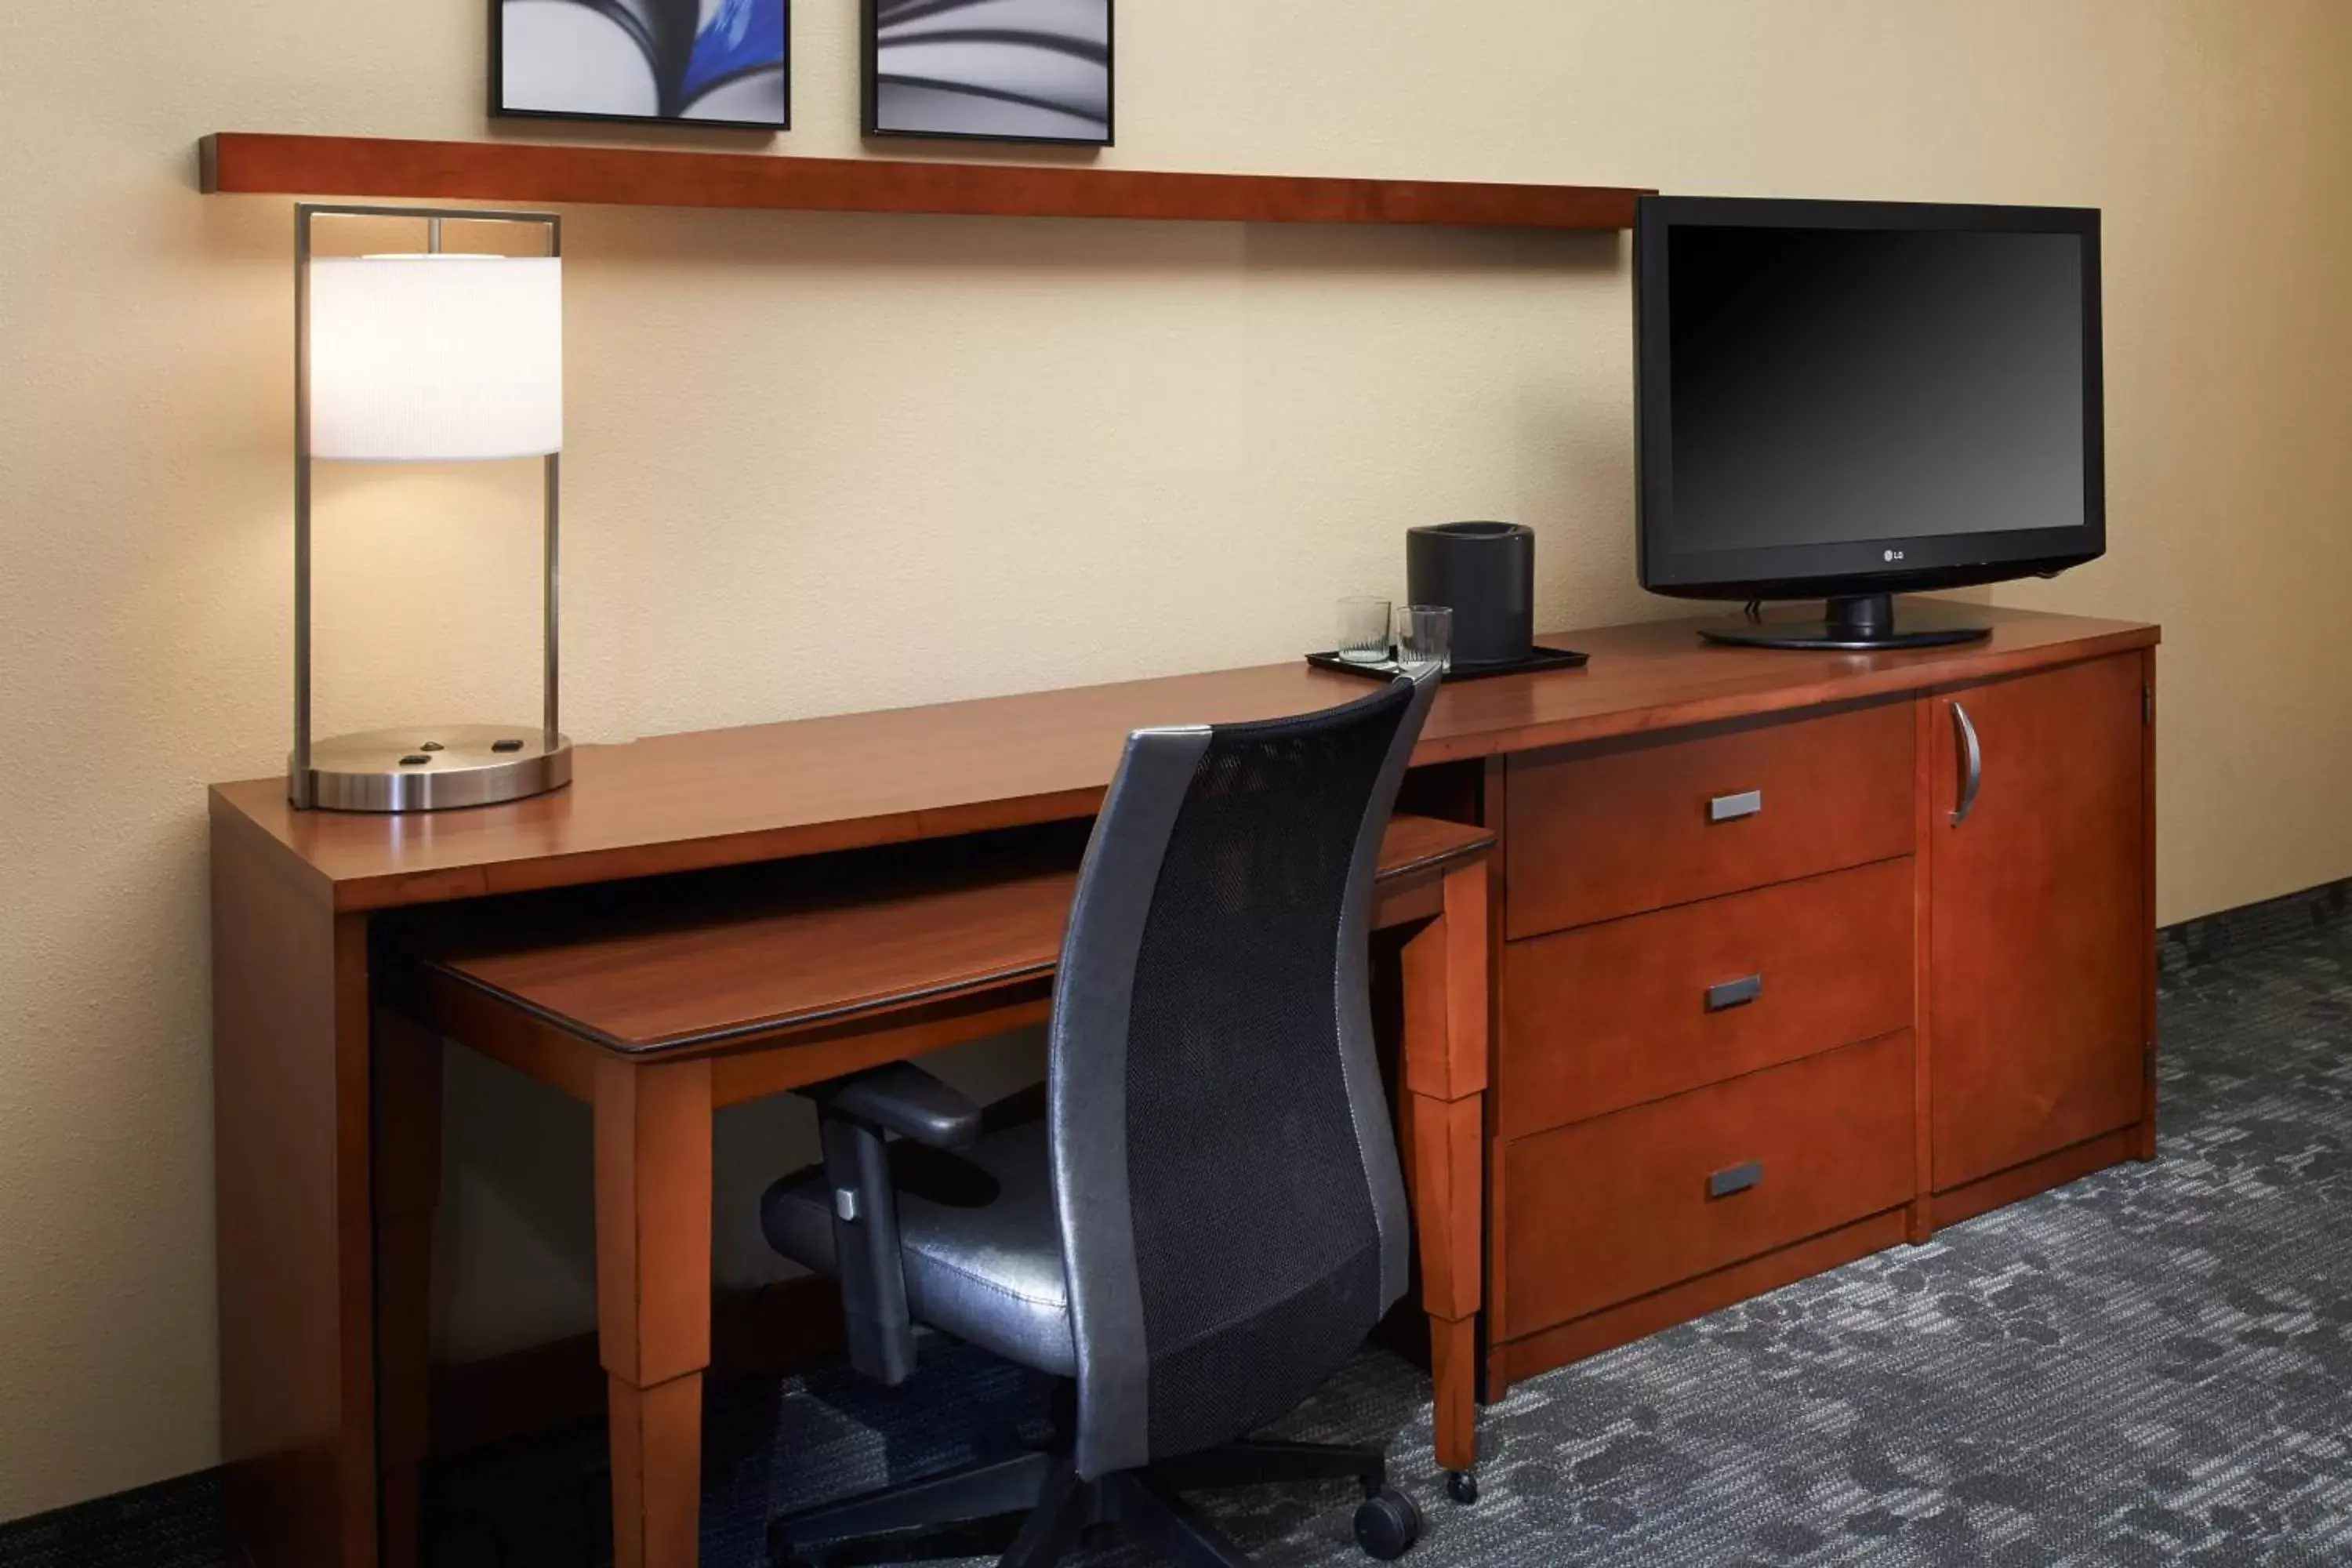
1844,400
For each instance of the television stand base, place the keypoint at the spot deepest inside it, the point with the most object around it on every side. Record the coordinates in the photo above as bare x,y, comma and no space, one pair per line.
1861,622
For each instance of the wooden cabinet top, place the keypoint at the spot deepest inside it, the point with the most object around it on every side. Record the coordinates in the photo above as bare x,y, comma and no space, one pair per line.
678,803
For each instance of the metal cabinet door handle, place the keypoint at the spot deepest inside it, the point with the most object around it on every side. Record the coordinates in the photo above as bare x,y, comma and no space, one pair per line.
1971,763
1732,993
1732,807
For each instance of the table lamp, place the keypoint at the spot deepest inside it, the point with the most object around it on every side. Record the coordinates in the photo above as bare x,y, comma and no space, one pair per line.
429,357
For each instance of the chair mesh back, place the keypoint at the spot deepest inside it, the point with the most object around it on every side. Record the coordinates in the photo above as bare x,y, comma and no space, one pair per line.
1256,1245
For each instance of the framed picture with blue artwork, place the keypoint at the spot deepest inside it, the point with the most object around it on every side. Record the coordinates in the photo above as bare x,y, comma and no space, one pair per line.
994,71
692,62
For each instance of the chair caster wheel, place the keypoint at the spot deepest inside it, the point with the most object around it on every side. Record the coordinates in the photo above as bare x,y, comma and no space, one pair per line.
1387,1524
1462,1486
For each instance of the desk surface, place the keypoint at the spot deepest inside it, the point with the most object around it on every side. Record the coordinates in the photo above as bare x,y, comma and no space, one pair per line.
737,957
765,792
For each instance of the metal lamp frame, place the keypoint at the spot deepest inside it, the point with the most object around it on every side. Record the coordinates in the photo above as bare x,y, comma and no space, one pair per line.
301,782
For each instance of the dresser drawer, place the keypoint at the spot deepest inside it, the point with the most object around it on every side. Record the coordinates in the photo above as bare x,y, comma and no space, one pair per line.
1599,832
1613,1208
1609,1015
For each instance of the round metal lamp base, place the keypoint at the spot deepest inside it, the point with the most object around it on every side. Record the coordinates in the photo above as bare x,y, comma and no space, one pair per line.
434,769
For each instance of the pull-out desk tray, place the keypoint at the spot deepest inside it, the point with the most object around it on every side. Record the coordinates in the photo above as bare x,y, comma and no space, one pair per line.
658,1001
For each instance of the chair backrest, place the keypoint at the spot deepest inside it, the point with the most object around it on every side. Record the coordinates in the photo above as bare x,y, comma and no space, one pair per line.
1233,1215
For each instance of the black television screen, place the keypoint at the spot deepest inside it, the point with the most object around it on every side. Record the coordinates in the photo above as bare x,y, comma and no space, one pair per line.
1846,399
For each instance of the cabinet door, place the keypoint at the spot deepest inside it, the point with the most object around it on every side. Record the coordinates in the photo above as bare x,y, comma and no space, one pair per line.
2036,914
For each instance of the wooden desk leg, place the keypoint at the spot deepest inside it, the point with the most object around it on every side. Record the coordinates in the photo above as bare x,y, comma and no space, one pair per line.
406,1069
653,1299
1446,1047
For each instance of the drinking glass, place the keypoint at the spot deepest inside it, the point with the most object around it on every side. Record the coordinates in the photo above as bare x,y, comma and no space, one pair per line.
1364,630
1425,635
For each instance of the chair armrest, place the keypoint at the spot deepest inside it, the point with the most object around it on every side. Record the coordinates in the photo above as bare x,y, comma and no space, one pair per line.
876,1326
852,1115
901,1098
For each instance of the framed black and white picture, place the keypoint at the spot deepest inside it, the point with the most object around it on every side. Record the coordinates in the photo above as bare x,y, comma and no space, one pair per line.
996,70
701,62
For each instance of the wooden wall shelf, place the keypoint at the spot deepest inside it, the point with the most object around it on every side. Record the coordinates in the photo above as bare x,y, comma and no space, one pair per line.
234,161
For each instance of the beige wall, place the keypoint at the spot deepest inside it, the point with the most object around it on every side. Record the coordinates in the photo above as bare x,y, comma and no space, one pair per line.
821,464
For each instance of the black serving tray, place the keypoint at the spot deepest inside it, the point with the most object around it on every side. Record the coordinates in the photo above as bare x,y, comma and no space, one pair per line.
1388,668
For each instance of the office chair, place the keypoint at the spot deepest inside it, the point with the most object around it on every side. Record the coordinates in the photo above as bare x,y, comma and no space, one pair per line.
1211,1218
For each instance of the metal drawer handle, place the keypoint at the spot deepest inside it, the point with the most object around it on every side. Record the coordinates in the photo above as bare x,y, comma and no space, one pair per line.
1733,992
1971,763
1735,1179
1732,807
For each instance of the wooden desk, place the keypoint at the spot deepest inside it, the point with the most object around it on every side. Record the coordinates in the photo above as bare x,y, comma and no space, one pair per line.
298,902
733,988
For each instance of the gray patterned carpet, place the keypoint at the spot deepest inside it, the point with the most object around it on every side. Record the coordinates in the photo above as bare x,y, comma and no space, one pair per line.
2153,1365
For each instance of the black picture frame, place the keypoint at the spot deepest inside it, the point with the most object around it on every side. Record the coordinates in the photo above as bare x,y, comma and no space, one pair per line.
870,27
501,110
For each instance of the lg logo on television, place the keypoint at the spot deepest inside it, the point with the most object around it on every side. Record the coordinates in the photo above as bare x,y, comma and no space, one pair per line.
1895,555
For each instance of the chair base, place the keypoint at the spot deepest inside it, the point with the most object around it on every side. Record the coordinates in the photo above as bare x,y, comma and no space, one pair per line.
1147,1504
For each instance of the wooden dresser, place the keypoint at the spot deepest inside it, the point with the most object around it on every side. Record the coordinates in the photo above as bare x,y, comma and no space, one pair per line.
1793,956
1780,991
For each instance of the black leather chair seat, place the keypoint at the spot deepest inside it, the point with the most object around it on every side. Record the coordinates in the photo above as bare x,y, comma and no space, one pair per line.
983,1255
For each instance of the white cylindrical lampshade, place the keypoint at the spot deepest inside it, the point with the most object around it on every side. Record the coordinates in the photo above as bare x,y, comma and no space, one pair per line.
436,358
